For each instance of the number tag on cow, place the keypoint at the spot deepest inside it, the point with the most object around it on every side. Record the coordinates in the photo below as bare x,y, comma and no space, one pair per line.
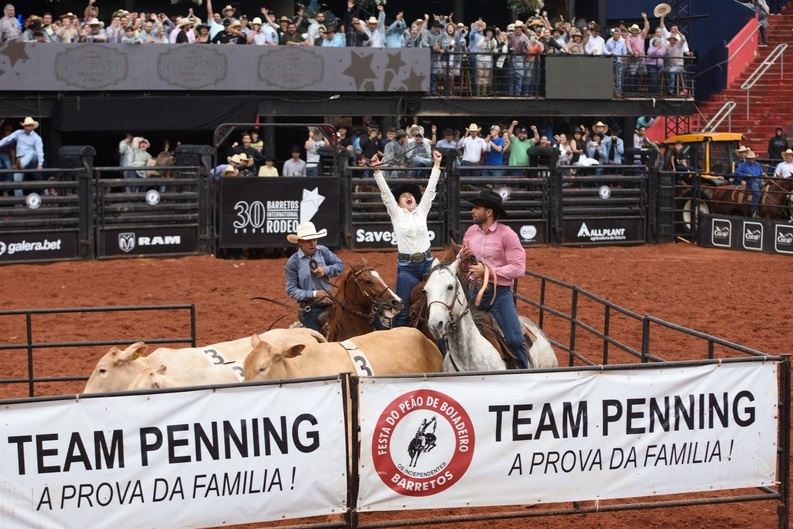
362,365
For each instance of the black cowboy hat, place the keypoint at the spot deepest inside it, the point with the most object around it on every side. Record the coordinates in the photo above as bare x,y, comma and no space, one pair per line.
413,189
490,199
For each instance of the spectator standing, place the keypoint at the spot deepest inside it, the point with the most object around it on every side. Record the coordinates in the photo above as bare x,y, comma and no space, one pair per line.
762,20
635,48
656,57
674,63
92,32
268,169
615,47
612,148
9,25
431,39
294,166
420,155
315,141
395,153
29,150
483,60
595,45
498,247
448,140
472,146
408,211
777,144
307,272
495,152
375,29
520,143
394,34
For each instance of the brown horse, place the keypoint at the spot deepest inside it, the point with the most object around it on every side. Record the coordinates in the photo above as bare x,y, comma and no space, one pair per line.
360,296
735,199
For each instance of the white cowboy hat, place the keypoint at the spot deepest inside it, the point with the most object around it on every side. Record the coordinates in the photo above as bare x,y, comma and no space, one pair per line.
372,20
30,121
599,124
662,10
256,20
96,22
306,232
473,126
787,151
184,22
228,8
234,158
750,154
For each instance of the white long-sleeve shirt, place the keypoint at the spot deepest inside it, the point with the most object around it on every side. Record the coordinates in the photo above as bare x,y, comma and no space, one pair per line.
410,227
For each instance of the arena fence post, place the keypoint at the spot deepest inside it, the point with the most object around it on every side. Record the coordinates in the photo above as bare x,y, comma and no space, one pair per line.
783,508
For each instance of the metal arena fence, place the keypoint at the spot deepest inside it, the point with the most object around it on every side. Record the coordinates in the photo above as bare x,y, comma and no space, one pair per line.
587,331
80,211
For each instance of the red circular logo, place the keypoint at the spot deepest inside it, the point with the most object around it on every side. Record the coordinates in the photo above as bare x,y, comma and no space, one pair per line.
423,443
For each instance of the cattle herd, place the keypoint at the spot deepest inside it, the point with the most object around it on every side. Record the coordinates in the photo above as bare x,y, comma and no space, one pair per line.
277,354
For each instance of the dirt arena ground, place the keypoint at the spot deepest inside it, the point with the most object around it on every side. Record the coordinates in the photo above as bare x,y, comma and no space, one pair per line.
739,296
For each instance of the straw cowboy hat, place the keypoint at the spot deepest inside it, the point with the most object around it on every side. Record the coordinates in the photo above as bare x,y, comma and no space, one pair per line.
186,21
599,124
661,10
30,121
473,127
228,8
306,232
750,154
787,151
490,199
234,159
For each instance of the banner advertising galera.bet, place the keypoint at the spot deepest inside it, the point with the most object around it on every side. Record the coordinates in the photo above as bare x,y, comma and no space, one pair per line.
181,460
522,439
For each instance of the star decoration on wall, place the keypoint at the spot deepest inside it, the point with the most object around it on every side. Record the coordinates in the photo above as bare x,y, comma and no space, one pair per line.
15,51
360,69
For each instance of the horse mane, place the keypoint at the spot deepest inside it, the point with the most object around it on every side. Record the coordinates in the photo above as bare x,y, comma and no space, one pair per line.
341,324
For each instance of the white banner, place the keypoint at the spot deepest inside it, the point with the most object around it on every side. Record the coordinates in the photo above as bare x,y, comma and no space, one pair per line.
517,439
182,460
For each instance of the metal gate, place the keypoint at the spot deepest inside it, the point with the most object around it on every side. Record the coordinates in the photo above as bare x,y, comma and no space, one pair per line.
600,205
159,216
47,215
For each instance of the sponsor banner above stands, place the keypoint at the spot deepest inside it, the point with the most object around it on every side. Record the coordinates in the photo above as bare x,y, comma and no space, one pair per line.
566,436
261,212
121,67
38,247
134,242
756,235
181,460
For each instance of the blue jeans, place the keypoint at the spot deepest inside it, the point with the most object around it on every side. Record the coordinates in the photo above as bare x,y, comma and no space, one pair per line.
516,75
408,276
506,315
312,171
310,318
469,172
754,185
28,161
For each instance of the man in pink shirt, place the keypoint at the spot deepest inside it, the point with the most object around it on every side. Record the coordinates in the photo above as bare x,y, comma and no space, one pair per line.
635,45
498,247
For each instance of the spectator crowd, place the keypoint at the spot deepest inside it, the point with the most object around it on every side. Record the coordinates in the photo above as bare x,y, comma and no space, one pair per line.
485,58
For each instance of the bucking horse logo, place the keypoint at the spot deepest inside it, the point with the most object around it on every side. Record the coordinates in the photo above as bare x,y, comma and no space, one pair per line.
424,441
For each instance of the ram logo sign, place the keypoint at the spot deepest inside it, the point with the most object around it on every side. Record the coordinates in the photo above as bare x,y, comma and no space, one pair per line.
126,242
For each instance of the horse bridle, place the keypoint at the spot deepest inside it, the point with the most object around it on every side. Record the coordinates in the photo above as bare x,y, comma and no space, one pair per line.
449,308
372,300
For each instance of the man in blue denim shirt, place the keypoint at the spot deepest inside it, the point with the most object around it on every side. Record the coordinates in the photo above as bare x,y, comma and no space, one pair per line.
750,173
307,272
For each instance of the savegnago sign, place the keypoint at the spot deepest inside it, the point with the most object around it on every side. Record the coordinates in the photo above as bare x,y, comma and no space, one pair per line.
176,460
566,436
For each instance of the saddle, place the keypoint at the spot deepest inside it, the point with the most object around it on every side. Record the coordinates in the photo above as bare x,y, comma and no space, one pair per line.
490,330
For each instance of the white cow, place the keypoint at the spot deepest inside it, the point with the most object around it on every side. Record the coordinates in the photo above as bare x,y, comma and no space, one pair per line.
198,376
116,370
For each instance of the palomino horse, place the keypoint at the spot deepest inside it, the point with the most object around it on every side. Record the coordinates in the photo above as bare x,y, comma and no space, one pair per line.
774,199
450,317
361,296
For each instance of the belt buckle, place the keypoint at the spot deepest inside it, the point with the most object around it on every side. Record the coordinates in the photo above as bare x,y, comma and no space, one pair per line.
417,257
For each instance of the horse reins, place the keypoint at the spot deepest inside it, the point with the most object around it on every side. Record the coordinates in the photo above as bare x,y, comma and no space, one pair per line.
372,301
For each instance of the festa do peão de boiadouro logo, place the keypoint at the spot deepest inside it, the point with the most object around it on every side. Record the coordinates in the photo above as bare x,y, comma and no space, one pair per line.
423,443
